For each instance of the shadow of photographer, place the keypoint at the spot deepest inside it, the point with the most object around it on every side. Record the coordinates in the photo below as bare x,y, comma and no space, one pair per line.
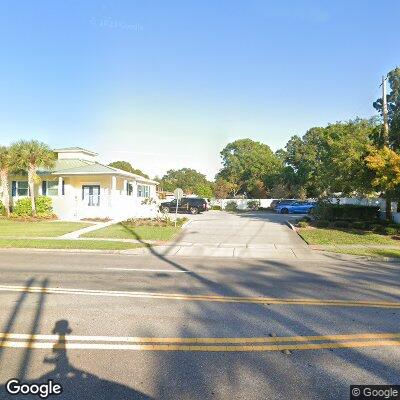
76,383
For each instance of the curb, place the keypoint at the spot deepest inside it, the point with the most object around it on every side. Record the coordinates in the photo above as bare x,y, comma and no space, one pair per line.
78,251
290,225
350,257
186,224
142,251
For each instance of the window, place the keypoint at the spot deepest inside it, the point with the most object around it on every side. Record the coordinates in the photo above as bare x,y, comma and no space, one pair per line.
129,189
20,188
143,191
52,188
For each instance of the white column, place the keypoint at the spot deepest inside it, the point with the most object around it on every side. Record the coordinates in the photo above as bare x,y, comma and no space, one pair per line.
125,187
60,184
113,184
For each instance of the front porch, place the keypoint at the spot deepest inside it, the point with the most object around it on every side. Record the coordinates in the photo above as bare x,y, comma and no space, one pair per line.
95,196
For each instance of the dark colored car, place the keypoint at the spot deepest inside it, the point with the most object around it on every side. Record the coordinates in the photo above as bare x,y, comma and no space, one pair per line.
192,205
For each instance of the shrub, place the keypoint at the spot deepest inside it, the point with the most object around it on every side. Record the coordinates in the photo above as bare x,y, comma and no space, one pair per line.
341,224
159,222
23,208
218,208
306,219
253,204
302,224
395,226
334,212
377,228
231,206
382,222
389,230
2,209
321,224
44,206
367,225
359,225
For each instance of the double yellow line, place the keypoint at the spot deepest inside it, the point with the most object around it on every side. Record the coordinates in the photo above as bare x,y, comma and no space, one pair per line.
209,298
238,344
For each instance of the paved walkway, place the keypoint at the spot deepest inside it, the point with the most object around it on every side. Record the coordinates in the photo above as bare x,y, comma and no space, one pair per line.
91,228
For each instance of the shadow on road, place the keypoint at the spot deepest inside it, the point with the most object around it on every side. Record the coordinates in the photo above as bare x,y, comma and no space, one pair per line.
271,375
266,372
76,383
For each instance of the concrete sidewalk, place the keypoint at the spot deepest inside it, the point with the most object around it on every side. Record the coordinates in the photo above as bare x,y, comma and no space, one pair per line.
91,228
269,252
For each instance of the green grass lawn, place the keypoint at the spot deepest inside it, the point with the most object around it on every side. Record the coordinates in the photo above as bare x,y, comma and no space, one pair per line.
371,252
67,244
35,229
338,241
118,231
339,237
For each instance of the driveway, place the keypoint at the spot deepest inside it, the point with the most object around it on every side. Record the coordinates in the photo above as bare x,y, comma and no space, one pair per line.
243,235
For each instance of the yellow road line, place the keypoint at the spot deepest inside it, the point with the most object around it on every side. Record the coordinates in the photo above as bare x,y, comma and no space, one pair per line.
212,298
233,340
200,348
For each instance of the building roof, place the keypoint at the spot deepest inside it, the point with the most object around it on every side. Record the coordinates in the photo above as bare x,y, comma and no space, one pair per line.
75,150
76,166
65,167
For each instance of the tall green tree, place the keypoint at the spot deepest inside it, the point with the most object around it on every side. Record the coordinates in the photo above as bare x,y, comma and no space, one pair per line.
385,163
224,189
127,166
332,159
5,165
393,102
251,166
392,141
29,156
189,180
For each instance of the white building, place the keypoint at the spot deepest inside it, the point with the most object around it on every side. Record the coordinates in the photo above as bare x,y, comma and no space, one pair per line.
81,187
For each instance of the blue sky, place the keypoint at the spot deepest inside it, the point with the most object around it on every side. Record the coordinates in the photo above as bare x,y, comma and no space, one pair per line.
166,84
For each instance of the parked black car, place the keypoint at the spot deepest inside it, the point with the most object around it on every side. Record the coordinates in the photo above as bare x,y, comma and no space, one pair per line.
192,205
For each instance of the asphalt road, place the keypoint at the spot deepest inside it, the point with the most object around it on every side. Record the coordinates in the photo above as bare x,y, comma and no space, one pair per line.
120,309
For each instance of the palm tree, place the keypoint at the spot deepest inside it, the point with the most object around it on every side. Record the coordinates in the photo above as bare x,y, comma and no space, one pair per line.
29,156
5,161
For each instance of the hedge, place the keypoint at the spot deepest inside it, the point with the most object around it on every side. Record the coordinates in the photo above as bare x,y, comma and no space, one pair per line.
23,208
340,224
345,212
231,206
253,204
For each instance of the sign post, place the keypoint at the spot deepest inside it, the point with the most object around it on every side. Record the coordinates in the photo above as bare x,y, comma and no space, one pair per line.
178,193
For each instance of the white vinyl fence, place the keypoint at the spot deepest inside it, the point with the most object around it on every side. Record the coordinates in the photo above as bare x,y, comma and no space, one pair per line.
241,203
266,203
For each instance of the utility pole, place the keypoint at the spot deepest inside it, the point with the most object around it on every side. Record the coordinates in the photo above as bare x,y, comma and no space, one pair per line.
386,141
385,112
